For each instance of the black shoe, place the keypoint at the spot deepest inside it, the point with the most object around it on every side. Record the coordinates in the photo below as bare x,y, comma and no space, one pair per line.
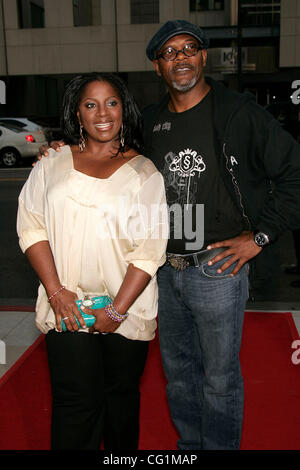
295,283
293,269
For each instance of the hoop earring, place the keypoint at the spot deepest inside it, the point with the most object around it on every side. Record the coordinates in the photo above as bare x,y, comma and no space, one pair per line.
122,140
82,139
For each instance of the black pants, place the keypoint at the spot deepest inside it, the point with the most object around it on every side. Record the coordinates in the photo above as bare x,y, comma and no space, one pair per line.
95,388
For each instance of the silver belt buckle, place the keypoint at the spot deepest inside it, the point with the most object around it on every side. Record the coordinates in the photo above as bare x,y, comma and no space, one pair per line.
178,262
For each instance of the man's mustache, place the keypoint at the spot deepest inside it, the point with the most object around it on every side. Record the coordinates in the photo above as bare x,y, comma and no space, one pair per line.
183,65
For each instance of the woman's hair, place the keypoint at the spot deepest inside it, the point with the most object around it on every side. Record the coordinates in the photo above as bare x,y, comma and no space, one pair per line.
132,122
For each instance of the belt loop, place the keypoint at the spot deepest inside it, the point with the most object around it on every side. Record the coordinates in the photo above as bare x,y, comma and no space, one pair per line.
196,261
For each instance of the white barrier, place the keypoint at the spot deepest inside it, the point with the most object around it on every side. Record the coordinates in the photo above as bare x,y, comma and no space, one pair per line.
2,352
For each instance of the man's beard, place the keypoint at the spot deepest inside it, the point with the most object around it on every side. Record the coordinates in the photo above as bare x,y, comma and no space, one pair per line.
184,86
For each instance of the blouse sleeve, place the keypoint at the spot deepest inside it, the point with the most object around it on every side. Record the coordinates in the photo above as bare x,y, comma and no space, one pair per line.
148,226
31,227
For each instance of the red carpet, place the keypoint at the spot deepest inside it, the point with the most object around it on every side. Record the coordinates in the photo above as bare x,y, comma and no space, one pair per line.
272,383
272,393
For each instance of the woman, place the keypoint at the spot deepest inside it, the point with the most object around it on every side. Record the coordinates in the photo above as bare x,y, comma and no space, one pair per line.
87,225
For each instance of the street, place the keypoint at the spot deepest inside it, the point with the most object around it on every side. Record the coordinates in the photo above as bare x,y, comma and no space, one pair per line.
18,282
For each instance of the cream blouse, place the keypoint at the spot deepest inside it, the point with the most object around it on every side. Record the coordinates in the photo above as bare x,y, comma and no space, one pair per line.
96,228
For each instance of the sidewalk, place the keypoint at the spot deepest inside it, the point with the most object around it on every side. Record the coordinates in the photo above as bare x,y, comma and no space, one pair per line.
17,332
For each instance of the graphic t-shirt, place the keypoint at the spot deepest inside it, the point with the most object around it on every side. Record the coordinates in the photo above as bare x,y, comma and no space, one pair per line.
201,209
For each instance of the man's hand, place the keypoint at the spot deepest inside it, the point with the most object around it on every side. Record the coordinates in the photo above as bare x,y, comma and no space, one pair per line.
43,150
240,249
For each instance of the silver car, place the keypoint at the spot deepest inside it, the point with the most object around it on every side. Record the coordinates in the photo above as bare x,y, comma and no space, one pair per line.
24,123
17,144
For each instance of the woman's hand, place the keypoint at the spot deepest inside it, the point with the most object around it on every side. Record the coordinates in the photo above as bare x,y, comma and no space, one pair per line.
65,308
103,323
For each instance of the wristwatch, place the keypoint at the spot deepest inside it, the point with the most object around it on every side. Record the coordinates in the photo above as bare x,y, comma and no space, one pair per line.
261,239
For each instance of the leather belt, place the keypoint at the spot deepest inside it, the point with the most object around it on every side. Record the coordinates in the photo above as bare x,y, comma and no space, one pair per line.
181,262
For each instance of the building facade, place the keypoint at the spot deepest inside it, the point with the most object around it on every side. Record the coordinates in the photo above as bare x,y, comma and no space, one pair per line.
43,43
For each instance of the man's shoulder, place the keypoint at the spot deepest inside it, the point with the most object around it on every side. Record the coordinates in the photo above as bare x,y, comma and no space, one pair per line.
237,107
228,97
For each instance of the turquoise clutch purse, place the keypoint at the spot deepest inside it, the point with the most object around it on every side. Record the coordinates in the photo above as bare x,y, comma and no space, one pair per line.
93,303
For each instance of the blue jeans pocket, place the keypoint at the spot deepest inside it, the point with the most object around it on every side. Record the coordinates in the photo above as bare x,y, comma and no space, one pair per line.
212,271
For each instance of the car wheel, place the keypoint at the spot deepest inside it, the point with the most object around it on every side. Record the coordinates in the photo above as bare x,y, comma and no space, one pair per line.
10,158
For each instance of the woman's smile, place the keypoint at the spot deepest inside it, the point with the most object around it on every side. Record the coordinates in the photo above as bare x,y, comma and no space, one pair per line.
104,126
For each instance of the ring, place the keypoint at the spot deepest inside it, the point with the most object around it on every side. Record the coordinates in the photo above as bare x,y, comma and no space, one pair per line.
66,318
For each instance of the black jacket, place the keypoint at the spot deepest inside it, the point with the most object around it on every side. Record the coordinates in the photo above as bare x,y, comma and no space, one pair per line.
260,164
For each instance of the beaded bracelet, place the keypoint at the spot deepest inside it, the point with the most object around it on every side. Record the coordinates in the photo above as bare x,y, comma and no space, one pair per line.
56,292
112,313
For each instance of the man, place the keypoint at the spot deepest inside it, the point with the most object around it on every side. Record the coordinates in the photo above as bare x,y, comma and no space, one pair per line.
295,268
219,149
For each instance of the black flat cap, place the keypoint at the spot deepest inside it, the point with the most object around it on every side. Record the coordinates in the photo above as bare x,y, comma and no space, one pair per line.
173,28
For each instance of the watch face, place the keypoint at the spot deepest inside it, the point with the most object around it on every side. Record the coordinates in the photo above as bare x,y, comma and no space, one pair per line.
261,239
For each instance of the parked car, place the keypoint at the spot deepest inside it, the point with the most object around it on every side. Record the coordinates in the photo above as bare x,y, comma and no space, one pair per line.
288,114
49,125
17,144
24,123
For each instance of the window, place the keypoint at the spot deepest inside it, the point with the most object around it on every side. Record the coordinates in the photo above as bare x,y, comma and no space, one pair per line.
86,12
202,5
31,13
260,12
82,12
144,11
13,122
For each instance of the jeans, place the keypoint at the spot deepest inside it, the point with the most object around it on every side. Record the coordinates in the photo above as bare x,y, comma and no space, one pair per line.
200,327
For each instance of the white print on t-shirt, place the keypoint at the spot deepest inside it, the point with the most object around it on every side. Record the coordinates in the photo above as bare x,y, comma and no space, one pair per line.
233,161
181,175
166,126
186,165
